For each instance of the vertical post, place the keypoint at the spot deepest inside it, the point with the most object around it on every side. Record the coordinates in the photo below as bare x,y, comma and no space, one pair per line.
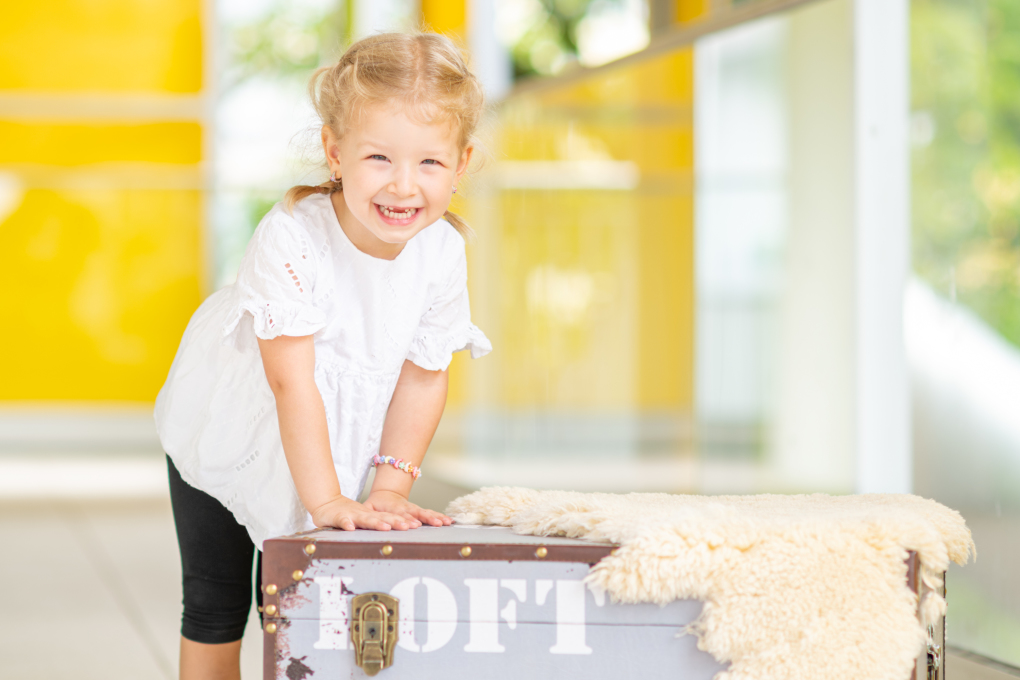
491,59
882,179
813,437
212,67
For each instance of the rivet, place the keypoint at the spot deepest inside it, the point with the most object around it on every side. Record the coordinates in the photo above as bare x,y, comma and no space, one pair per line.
270,627
310,549
271,589
260,609
387,550
541,552
298,575
614,552
465,551
270,610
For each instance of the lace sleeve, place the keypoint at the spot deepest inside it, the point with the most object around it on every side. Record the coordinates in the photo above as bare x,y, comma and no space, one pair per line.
276,280
446,327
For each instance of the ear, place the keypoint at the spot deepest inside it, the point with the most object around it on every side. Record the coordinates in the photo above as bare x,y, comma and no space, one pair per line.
465,159
331,145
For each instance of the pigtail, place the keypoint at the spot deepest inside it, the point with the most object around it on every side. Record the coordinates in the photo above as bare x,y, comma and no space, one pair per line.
458,223
303,191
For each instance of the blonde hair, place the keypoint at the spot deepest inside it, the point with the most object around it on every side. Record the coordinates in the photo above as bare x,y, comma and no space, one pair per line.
425,72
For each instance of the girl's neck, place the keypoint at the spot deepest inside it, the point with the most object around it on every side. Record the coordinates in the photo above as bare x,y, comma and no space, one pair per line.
356,233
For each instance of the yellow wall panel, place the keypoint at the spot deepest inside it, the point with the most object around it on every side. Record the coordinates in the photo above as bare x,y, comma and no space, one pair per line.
102,284
87,143
102,45
100,214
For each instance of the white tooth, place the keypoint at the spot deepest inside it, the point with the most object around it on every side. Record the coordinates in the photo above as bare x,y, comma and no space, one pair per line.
398,214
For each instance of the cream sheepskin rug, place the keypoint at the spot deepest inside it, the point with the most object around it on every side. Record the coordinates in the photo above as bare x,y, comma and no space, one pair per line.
793,586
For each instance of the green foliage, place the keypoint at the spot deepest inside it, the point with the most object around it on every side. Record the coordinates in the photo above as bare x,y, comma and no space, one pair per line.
966,162
549,44
258,204
287,41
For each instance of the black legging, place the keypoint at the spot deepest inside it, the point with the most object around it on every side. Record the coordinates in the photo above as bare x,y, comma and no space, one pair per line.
216,556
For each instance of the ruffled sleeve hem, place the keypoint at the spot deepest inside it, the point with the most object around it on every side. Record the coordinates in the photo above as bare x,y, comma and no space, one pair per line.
272,318
435,352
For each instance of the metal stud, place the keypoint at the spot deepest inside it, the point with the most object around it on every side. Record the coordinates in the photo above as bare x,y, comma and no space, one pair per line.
465,551
614,552
270,610
270,627
541,552
387,550
310,549
271,589
298,575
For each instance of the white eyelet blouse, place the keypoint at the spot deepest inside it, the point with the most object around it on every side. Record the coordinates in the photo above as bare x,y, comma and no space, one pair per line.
300,275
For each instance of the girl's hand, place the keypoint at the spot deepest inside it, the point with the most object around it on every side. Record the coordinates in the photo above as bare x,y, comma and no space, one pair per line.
383,501
343,513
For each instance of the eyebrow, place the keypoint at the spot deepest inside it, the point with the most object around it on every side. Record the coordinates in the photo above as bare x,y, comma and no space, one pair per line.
385,147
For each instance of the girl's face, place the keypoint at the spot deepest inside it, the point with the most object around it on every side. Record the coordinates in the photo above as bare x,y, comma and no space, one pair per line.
398,177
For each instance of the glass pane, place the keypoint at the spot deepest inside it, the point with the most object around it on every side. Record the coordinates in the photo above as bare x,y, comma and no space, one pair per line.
963,308
774,233
582,273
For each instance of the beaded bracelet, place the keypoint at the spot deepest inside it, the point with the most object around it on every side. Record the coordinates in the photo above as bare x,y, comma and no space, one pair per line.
398,463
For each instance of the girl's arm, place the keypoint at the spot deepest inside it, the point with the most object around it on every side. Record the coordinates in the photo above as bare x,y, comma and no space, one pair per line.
290,368
412,419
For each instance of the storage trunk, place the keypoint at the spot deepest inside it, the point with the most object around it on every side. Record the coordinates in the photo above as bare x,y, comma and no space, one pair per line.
467,602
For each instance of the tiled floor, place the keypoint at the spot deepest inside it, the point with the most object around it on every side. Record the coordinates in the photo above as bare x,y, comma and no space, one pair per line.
97,591
92,589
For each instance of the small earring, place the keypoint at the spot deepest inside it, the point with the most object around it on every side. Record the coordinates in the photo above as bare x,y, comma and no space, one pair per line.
455,190
332,176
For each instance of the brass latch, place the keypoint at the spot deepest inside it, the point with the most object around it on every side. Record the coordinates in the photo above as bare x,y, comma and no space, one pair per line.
374,630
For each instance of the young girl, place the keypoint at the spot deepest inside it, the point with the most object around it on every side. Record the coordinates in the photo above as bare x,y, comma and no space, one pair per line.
329,353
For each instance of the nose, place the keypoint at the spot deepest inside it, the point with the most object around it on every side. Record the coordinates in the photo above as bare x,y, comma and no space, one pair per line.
402,183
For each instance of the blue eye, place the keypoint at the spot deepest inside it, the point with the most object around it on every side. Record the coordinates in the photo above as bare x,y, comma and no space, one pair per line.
378,157
430,161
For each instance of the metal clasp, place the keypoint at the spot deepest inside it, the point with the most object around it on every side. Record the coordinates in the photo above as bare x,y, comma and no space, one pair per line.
374,630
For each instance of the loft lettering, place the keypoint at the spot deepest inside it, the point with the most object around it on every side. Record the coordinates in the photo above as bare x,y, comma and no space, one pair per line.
566,596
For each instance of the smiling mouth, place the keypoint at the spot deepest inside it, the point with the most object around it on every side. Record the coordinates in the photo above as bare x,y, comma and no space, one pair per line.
402,215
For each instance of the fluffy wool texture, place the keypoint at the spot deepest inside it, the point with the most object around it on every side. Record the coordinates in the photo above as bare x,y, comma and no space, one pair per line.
793,586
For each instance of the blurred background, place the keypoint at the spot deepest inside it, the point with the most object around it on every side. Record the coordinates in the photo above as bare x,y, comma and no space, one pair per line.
723,246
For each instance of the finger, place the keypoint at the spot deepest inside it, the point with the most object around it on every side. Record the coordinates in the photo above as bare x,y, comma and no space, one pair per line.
346,524
396,521
438,519
431,517
418,512
374,522
413,521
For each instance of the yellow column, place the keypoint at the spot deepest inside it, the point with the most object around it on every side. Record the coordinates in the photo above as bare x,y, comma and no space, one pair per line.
448,17
100,195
